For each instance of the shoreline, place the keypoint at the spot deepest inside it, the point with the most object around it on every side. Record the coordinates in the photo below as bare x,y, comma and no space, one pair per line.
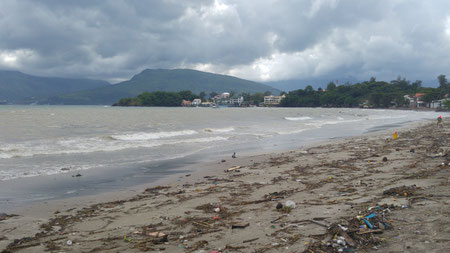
175,172
296,175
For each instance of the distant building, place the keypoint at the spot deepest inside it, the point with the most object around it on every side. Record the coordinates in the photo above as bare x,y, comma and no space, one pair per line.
237,101
225,95
416,100
186,103
409,99
436,104
196,102
273,100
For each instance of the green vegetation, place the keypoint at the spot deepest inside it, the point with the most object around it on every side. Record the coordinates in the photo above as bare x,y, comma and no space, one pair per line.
377,94
157,98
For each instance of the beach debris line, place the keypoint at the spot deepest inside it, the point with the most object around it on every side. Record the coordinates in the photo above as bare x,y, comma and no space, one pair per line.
5,216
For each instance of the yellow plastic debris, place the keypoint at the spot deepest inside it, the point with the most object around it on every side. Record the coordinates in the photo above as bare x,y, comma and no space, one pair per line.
395,135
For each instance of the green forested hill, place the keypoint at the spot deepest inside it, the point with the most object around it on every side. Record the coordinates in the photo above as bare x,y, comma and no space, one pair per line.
17,87
162,80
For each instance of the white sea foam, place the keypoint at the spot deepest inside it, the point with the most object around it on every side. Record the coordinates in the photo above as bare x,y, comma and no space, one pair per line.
297,118
384,117
293,131
318,124
81,148
89,145
40,171
142,136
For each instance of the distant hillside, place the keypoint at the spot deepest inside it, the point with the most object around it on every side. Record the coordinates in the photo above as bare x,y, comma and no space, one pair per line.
162,80
17,87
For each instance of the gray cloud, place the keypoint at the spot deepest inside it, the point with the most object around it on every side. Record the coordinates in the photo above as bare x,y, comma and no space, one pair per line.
254,39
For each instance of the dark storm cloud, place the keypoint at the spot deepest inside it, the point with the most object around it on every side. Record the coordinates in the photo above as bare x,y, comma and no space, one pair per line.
255,39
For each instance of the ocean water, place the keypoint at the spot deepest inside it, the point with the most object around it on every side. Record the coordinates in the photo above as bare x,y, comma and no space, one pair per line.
131,145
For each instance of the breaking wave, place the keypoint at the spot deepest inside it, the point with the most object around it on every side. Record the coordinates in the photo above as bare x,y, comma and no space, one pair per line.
89,145
297,118
151,136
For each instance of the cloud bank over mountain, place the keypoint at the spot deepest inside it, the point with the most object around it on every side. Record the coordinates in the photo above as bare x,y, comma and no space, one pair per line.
260,40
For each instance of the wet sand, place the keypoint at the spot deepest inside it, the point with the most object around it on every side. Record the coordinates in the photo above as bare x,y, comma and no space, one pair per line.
230,205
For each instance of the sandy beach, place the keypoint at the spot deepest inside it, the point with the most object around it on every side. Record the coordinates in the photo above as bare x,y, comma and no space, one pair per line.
368,193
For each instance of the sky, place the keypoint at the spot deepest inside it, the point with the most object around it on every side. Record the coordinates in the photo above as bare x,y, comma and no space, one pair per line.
259,40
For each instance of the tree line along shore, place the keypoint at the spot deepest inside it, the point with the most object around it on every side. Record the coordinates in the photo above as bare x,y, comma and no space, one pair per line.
399,93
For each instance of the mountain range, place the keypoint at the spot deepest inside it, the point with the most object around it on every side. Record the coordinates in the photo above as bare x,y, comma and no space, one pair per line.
162,80
20,88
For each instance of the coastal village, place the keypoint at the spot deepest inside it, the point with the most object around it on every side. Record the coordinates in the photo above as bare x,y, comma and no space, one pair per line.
225,100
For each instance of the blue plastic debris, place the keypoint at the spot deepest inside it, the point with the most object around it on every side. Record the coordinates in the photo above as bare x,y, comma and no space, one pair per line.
370,216
368,223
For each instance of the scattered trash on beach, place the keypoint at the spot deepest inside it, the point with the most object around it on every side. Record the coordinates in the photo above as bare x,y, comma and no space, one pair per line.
309,200
290,204
240,225
401,191
279,206
157,234
354,233
233,168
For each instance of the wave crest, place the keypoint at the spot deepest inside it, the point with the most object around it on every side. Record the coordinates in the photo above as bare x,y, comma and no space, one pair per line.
143,136
297,118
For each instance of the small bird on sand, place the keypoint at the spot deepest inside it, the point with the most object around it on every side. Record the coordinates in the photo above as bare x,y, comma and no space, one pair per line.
234,155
